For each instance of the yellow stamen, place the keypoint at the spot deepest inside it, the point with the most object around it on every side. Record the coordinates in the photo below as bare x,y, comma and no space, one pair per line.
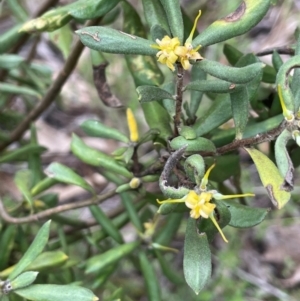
219,196
190,38
286,113
205,178
170,201
217,226
132,125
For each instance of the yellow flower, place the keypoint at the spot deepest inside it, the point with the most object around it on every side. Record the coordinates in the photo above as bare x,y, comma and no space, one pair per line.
200,203
166,54
132,125
171,51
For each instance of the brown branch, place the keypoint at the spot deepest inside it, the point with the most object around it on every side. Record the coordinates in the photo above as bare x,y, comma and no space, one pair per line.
179,98
47,213
52,92
281,50
259,138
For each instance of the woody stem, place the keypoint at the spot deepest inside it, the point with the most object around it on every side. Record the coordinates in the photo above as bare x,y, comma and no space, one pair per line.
179,85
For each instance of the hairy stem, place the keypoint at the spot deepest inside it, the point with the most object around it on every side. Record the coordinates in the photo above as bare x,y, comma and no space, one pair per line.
179,99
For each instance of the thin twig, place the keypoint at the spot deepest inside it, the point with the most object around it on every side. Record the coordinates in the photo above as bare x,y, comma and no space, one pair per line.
259,138
52,92
47,213
179,98
281,50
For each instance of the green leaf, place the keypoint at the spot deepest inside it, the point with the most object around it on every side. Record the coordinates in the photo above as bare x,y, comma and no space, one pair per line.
151,93
150,278
95,128
48,260
213,86
96,158
106,223
18,90
197,145
235,75
194,168
7,239
174,16
282,79
22,153
196,74
64,174
101,261
155,15
245,17
157,117
270,177
33,251
24,280
53,292
10,61
244,216
226,166
114,41
232,54
23,180
217,114
197,257
240,110
143,69
283,160
168,270
62,38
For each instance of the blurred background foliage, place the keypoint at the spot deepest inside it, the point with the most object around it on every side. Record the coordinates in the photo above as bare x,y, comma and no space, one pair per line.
261,263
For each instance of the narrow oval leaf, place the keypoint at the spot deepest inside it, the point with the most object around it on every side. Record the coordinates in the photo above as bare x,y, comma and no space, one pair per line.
53,292
283,160
197,145
96,158
245,17
33,251
64,174
235,75
106,223
244,216
213,86
174,16
18,90
95,128
114,41
150,278
24,280
155,15
197,257
232,54
151,93
22,153
23,180
10,61
240,110
219,112
270,177
101,261
143,69
7,240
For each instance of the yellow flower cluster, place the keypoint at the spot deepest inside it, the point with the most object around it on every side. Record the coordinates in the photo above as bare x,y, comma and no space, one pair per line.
171,51
200,202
